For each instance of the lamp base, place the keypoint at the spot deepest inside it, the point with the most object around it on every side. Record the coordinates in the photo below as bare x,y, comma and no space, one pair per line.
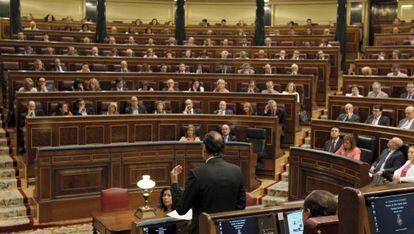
145,212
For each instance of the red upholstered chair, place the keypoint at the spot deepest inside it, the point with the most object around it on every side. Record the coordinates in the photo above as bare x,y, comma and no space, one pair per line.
324,224
250,199
114,199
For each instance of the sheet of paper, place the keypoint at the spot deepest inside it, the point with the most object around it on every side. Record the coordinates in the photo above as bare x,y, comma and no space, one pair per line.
187,216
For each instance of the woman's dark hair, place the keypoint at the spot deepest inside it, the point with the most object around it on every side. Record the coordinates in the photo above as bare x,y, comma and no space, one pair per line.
199,84
59,107
47,16
214,144
162,206
77,83
85,25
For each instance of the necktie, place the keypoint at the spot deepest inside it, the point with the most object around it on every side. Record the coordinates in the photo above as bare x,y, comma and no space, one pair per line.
346,118
382,160
409,96
332,148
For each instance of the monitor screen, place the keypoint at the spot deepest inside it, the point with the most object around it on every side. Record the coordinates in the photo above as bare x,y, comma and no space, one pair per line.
165,228
391,214
239,225
294,222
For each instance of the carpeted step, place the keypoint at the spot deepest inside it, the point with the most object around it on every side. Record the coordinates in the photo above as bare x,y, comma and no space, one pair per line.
10,198
9,183
13,212
285,176
3,141
2,133
7,173
273,201
4,150
12,225
279,189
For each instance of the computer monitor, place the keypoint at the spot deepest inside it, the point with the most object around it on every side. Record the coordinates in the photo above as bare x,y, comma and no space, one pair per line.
164,226
391,214
294,222
263,224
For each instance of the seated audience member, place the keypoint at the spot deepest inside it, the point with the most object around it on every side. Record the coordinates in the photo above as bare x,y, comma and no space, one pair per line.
81,109
71,51
395,71
349,115
57,66
271,109
354,92
196,86
94,85
32,26
268,42
366,71
31,111
188,54
377,92
405,174
281,55
28,86
144,86
62,109
247,109
207,42
170,86
243,43
326,31
381,56
395,30
160,108
112,109
270,88
204,23
86,40
251,88
119,85
85,68
129,53
20,36
295,55
94,51
166,200
246,69
28,50
291,89
321,55
112,40
85,28
294,69
204,54
222,109
78,85
349,148
190,134
224,54
150,42
332,145
396,54
389,160
261,54
324,43
190,42
224,69
49,51
134,107
221,86
38,65
150,54
199,69
377,118
41,85
319,203
408,121
309,31
169,55
146,68
171,41
124,67
131,41
225,132
225,42
267,69
410,91
189,108
182,69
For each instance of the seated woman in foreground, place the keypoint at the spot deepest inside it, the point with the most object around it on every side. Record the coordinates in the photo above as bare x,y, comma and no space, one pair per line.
405,174
190,134
349,148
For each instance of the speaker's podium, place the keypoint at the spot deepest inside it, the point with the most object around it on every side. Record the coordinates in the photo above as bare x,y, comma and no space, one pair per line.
382,209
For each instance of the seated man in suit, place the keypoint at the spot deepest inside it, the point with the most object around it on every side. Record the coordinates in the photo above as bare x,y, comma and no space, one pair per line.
272,110
408,121
251,88
225,132
377,118
42,86
349,115
222,110
81,109
294,69
224,69
332,145
270,87
134,108
410,91
123,67
267,69
189,108
395,71
57,66
170,86
319,203
296,55
390,159
38,65
216,186
281,55
119,85
31,111
376,91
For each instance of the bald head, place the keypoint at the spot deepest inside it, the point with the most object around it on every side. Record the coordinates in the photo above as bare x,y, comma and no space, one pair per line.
409,112
395,143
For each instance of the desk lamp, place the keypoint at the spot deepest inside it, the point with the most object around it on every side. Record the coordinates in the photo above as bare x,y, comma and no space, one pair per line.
146,184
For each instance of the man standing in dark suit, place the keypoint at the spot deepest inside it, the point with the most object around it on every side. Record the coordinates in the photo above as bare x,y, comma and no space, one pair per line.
410,91
332,145
349,115
225,132
189,108
377,118
216,186
134,108
222,110
390,159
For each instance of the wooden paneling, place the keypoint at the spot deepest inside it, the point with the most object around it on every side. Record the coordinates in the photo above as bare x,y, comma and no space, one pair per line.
77,174
164,122
375,50
313,169
384,66
397,39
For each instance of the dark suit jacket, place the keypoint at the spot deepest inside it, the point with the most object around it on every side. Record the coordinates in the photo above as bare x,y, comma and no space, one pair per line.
404,95
245,89
328,143
54,68
354,118
221,70
89,111
123,89
196,111
395,161
166,89
22,120
228,112
231,138
384,120
214,187
141,110
280,114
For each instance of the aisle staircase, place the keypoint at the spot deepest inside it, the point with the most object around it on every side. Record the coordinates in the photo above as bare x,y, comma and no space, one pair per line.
14,206
277,193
